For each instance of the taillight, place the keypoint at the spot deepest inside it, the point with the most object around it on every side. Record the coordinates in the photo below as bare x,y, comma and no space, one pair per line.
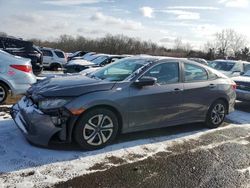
234,86
24,68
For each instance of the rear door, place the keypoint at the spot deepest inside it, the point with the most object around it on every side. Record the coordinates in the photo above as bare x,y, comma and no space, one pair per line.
199,91
155,106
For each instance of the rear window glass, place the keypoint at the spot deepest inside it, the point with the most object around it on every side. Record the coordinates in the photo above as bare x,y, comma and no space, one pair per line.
59,54
194,73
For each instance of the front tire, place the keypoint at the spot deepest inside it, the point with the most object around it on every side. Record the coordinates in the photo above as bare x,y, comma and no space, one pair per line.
3,93
96,128
216,114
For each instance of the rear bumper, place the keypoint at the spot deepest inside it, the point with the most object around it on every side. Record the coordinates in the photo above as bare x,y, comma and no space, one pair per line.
20,84
243,95
37,127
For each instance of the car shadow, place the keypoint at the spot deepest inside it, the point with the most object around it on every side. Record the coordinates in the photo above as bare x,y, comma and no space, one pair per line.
243,106
165,133
16,147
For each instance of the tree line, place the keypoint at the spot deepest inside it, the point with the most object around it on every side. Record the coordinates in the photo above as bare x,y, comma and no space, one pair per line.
227,44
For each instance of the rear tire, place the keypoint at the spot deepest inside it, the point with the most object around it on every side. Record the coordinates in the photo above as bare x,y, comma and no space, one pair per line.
216,114
55,67
96,128
3,93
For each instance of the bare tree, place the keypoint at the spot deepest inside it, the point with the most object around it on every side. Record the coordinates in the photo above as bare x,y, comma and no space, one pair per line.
229,41
178,44
223,41
3,34
238,42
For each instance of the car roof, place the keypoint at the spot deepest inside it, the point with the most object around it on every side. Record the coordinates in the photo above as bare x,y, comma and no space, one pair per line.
53,49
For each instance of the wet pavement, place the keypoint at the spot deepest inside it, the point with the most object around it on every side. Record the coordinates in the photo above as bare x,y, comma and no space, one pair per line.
217,159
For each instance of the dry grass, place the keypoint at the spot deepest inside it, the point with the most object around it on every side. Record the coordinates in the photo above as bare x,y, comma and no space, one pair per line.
12,99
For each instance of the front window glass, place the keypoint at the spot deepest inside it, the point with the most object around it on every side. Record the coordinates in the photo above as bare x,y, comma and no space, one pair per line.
165,73
194,73
120,70
47,53
59,54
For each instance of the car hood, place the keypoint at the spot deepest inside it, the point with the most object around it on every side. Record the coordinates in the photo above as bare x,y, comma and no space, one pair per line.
68,86
80,62
241,79
227,73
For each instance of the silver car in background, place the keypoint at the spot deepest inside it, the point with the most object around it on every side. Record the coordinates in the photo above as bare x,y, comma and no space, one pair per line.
243,86
15,75
230,68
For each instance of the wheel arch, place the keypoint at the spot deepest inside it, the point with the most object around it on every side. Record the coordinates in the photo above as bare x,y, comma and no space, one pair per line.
111,108
55,63
5,84
224,100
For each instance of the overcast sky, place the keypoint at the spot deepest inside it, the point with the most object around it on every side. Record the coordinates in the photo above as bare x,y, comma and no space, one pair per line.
160,21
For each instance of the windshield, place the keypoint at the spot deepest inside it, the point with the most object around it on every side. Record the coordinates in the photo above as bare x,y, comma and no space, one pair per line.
100,59
222,65
120,70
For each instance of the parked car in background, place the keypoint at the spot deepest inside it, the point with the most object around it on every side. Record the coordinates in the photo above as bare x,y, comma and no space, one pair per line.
77,65
26,49
53,59
243,86
199,60
133,94
88,55
15,75
89,70
230,68
99,60
76,54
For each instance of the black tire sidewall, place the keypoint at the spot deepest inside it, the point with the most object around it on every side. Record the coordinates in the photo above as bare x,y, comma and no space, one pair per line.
209,122
55,67
80,124
6,93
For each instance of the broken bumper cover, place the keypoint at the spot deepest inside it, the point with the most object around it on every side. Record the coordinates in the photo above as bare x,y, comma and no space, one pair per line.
35,125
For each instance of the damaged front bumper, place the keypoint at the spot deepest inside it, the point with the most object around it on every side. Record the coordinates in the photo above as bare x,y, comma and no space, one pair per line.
38,127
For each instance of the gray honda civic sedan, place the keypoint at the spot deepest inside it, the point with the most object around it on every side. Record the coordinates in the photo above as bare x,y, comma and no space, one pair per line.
133,94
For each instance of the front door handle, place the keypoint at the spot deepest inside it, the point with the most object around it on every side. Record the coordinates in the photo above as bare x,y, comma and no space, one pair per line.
178,89
212,85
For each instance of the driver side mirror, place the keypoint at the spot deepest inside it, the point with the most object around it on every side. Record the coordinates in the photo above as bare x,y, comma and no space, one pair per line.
145,81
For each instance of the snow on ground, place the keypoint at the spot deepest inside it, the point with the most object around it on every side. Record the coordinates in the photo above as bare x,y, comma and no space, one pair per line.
25,165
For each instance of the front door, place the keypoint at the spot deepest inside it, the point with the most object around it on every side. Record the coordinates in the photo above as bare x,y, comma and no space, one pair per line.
157,105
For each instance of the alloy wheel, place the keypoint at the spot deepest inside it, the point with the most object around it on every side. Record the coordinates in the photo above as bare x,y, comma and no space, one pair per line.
218,114
98,130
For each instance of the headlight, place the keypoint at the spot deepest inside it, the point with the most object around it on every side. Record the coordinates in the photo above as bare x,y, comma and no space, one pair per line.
52,103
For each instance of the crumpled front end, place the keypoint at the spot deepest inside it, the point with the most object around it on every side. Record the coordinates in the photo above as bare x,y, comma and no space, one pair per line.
37,126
